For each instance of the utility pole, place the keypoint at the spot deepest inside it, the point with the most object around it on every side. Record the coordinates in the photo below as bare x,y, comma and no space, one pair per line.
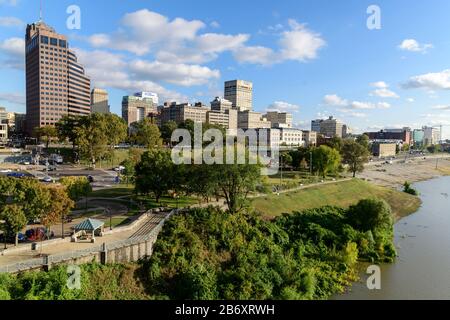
310,163
281,168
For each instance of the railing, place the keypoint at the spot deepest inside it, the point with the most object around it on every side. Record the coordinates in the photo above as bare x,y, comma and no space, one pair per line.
60,258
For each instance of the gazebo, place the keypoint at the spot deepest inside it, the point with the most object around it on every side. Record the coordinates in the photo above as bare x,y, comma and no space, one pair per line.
87,226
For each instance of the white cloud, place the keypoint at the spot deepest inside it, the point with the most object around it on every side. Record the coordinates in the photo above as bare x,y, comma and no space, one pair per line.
9,2
13,50
441,107
383,90
379,84
143,30
353,114
414,46
335,100
13,46
344,104
369,105
215,24
255,55
410,100
282,106
14,97
430,81
10,22
300,43
179,74
384,93
112,70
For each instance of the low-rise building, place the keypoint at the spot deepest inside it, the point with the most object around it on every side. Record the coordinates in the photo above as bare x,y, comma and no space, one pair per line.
228,118
279,119
221,105
291,137
3,133
330,127
252,120
182,112
310,138
431,136
135,109
383,150
99,101
403,134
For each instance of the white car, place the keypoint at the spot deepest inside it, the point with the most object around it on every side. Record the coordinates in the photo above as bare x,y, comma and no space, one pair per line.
119,168
47,180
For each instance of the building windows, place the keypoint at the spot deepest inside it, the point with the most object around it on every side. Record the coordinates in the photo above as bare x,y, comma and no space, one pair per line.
53,42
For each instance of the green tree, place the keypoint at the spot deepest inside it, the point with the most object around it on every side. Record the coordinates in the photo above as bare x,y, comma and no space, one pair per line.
130,170
363,140
326,160
98,134
76,187
66,129
236,181
336,143
156,173
370,215
145,133
354,155
58,209
166,131
14,219
46,134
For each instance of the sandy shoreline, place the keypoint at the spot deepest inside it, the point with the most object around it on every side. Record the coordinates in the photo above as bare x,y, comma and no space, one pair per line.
415,170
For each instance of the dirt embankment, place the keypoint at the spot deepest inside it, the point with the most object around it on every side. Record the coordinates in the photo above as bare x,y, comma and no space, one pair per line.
414,170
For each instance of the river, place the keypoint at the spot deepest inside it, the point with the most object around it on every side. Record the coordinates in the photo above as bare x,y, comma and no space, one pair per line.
422,270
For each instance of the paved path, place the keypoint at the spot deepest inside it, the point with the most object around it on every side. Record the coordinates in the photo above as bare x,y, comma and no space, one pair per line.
150,223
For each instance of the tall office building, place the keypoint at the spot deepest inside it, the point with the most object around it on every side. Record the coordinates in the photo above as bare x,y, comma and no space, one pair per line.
279,119
79,88
135,109
151,95
99,101
240,93
56,85
329,128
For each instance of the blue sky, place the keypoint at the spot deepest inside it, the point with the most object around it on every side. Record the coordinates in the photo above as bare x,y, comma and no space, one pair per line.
312,58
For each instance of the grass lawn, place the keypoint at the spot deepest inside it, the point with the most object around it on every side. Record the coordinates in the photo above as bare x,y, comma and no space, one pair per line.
342,194
118,191
116,222
166,202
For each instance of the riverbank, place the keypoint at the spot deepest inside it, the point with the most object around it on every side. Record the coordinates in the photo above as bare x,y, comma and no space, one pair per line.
423,242
342,194
415,170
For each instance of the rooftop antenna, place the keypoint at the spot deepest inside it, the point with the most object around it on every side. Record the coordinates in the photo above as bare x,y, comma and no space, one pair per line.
40,12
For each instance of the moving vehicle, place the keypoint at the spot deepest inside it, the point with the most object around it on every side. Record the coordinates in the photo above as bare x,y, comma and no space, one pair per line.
47,179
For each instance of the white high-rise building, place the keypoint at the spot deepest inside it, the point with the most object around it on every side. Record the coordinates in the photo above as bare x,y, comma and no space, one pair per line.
148,95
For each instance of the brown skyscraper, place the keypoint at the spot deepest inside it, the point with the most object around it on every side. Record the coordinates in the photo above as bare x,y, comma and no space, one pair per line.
55,82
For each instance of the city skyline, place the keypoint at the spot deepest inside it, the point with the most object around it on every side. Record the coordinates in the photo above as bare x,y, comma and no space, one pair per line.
308,60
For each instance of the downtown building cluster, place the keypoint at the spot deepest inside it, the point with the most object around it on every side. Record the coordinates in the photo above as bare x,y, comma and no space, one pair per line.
57,86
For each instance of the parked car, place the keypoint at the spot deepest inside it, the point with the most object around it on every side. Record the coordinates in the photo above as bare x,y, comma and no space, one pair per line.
38,234
47,179
11,238
119,168
17,175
